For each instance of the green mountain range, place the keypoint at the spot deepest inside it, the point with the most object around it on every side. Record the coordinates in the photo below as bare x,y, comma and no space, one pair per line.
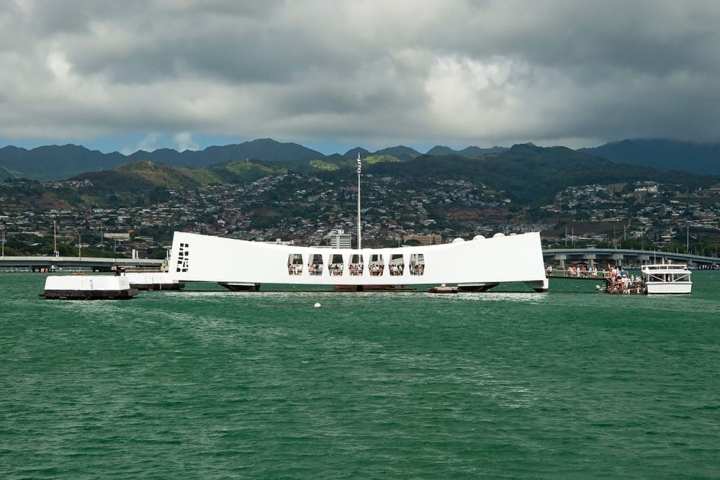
531,174
468,152
54,162
60,162
700,158
57,162
527,173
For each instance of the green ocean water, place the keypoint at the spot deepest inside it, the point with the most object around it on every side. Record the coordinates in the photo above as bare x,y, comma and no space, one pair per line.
213,384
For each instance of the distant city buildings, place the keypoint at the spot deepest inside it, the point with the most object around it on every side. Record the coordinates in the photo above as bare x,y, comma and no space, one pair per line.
310,210
120,237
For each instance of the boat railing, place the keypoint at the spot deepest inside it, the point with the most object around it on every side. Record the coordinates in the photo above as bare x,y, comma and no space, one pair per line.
664,267
573,273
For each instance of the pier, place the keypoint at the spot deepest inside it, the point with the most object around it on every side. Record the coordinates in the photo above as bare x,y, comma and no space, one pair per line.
559,257
625,257
613,283
94,264
602,275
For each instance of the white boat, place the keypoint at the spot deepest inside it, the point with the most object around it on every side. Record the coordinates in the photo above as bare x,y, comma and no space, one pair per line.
666,278
443,289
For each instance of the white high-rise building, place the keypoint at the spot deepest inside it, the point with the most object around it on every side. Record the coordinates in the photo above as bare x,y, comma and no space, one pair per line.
339,239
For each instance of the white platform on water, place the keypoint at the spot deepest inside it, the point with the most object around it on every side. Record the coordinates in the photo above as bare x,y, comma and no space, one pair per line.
105,283
152,280
87,287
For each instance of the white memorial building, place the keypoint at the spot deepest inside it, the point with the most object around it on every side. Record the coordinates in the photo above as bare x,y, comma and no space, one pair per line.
476,264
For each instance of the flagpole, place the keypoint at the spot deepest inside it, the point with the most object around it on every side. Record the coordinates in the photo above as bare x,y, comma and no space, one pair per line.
359,224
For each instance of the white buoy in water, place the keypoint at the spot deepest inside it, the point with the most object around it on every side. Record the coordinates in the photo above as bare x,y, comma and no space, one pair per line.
317,305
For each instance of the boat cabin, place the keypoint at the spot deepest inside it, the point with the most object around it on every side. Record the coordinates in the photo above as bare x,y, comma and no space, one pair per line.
666,278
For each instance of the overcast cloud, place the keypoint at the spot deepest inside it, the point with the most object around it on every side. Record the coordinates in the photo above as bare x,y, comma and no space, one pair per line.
360,72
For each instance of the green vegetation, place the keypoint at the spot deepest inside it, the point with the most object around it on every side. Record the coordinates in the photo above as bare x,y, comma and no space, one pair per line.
146,182
376,159
532,174
5,174
159,175
242,171
201,176
324,165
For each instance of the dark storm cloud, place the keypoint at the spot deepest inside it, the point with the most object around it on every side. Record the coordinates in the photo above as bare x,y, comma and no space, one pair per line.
412,71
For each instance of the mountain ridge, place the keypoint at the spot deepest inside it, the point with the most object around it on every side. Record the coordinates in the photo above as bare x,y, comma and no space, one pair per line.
55,162
527,173
692,157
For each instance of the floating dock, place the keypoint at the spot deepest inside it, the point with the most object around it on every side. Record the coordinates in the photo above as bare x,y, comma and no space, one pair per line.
88,287
153,281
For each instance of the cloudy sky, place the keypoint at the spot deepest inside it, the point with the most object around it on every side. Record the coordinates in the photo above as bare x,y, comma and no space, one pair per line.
334,73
